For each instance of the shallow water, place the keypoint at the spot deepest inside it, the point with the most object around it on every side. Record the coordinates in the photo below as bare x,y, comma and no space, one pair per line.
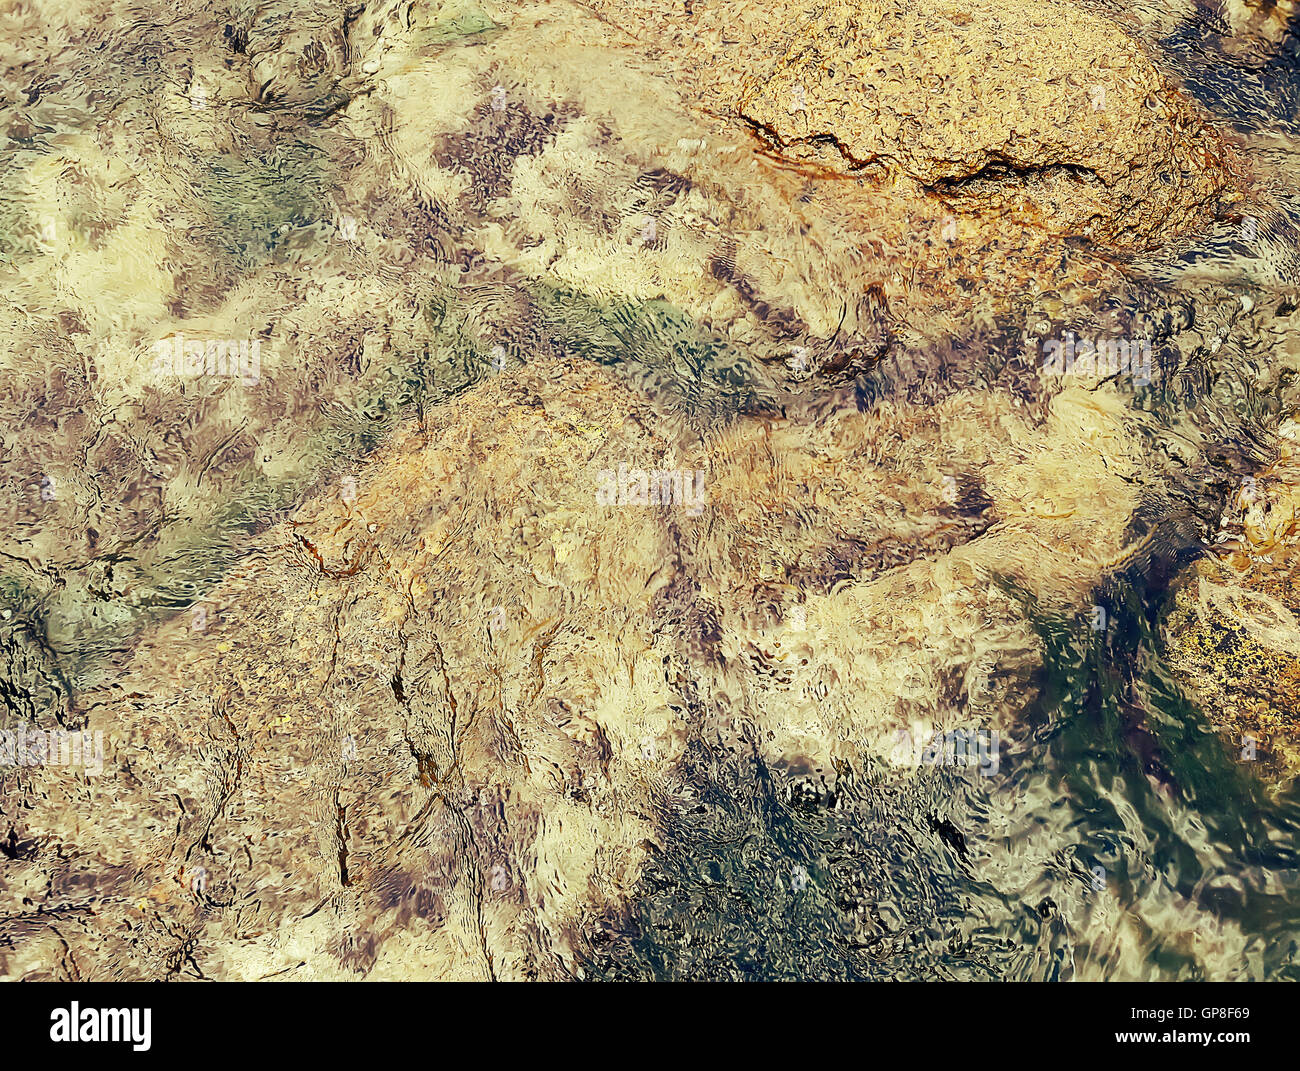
909,528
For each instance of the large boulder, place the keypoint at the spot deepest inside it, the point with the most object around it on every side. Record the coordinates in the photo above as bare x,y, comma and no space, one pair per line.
1031,107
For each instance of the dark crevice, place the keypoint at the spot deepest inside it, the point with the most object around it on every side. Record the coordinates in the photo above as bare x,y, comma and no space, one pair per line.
1002,170
768,134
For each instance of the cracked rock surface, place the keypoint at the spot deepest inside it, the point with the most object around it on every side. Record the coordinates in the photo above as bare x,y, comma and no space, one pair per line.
1038,107
430,726
387,690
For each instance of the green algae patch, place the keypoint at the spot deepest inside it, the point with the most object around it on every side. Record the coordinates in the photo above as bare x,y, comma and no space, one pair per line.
255,203
100,606
656,345
460,22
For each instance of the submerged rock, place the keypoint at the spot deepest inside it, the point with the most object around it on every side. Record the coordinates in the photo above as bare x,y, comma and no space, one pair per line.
431,724
406,740
1232,634
1005,107
294,58
428,727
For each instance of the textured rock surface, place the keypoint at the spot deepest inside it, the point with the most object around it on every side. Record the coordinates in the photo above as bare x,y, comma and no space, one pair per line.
1233,633
1034,105
407,741
438,721
1042,114
428,723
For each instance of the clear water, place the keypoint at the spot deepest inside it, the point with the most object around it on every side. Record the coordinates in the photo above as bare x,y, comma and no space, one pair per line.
397,238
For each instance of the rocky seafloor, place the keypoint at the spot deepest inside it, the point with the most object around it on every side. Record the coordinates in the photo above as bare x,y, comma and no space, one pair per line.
668,490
